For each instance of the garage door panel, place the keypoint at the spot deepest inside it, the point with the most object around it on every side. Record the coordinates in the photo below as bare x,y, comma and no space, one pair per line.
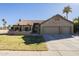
65,30
50,30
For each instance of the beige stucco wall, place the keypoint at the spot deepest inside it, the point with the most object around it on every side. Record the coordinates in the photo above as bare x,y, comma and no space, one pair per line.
55,22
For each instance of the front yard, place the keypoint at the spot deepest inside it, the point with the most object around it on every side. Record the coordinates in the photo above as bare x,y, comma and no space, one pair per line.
22,43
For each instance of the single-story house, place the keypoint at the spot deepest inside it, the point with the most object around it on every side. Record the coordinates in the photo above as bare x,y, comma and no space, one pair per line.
54,25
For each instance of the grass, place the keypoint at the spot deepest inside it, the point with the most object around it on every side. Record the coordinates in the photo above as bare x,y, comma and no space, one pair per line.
22,43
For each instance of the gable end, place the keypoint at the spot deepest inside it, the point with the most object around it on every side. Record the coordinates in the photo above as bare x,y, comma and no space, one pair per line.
56,16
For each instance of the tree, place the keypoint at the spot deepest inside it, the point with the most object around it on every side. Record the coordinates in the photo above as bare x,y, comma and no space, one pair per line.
3,20
76,21
66,10
76,24
9,26
4,23
19,20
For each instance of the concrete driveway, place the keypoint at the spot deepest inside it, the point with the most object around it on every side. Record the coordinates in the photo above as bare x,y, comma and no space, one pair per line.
63,44
58,45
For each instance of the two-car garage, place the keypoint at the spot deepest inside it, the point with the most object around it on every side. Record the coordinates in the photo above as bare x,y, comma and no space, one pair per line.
57,25
57,30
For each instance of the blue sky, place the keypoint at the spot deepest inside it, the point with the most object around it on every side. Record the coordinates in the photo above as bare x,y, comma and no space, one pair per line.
12,12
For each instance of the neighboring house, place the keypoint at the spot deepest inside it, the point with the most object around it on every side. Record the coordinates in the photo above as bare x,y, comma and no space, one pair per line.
54,25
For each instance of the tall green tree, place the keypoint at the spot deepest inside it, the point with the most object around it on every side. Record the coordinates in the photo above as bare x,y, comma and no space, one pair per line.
67,10
76,24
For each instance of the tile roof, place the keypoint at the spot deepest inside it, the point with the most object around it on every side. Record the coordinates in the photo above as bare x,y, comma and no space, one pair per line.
30,22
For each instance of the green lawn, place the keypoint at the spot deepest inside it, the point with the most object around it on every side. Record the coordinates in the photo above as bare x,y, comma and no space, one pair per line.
22,43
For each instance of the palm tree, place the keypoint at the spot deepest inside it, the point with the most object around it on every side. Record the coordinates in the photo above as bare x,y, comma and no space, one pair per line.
67,10
9,26
19,20
3,20
4,23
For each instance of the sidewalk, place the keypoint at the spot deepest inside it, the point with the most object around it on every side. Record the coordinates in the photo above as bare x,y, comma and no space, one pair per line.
39,53
29,53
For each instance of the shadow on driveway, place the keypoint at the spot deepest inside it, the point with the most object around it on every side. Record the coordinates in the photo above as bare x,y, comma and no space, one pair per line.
57,37
36,39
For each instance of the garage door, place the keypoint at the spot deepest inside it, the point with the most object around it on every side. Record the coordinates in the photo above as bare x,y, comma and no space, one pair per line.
51,30
57,30
65,30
